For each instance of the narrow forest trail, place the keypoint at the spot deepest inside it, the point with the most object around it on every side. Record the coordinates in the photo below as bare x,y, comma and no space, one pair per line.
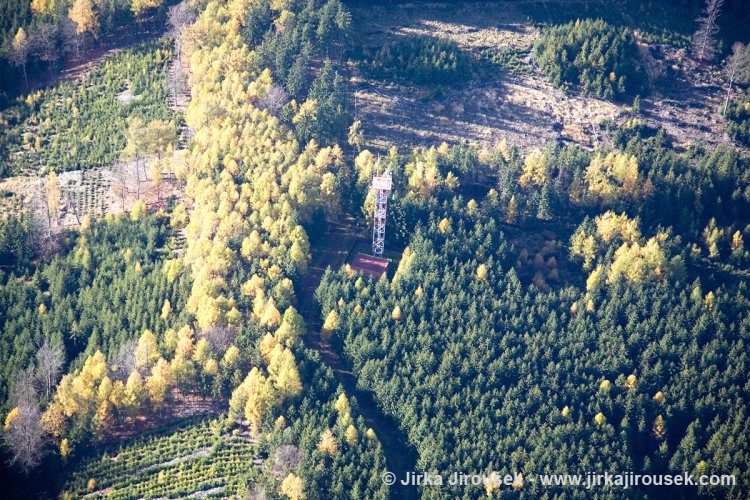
332,251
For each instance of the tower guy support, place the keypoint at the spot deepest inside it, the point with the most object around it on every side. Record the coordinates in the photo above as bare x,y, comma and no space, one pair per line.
381,188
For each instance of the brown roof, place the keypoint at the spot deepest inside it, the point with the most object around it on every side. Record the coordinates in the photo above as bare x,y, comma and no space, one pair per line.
370,265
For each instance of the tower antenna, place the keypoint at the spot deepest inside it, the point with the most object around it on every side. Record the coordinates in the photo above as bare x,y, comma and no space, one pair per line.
381,188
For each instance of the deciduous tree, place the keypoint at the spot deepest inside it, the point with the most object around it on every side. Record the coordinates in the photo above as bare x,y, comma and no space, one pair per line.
83,15
356,137
53,195
24,438
19,53
159,382
283,368
293,487
704,39
327,443
146,352
737,69
50,360
180,16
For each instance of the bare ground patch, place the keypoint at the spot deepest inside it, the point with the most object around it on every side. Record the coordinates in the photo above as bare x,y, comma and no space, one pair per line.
471,25
181,406
527,112
525,109
93,193
687,104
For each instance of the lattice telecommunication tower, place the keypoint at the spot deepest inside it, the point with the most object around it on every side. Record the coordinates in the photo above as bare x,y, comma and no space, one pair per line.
381,188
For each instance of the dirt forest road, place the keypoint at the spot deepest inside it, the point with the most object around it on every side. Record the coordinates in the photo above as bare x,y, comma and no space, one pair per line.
332,251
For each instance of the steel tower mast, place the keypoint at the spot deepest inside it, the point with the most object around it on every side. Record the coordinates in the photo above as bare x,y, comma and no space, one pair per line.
381,188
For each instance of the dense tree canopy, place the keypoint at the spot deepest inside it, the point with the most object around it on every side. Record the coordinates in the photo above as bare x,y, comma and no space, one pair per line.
738,119
484,373
419,60
594,55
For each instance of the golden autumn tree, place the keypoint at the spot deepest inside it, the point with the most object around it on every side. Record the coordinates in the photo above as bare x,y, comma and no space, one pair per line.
396,313
147,351
534,170
492,484
511,212
327,443
293,487
203,351
135,394
659,428
444,226
104,418
159,382
78,394
600,419
351,436
238,400
330,324
283,368
65,449
140,6
83,15
565,412
482,272
185,345
53,199
260,398
20,49
166,310
53,420
356,137
39,7
614,178
11,417
342,405
231,358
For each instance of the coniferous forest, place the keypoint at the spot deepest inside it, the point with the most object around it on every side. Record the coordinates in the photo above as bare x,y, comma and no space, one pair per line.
186,196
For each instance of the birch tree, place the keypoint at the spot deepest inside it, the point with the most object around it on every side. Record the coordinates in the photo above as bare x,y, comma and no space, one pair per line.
24,437
179,17
23,428
135,148
737,69
50,360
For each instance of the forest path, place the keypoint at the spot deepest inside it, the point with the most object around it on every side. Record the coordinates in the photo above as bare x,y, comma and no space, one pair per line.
333,251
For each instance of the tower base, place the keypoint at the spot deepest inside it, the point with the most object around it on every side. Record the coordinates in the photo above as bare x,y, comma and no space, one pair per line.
375,267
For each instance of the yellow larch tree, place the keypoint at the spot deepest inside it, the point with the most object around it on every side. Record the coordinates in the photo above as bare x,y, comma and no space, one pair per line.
327,443
293,487
83,15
